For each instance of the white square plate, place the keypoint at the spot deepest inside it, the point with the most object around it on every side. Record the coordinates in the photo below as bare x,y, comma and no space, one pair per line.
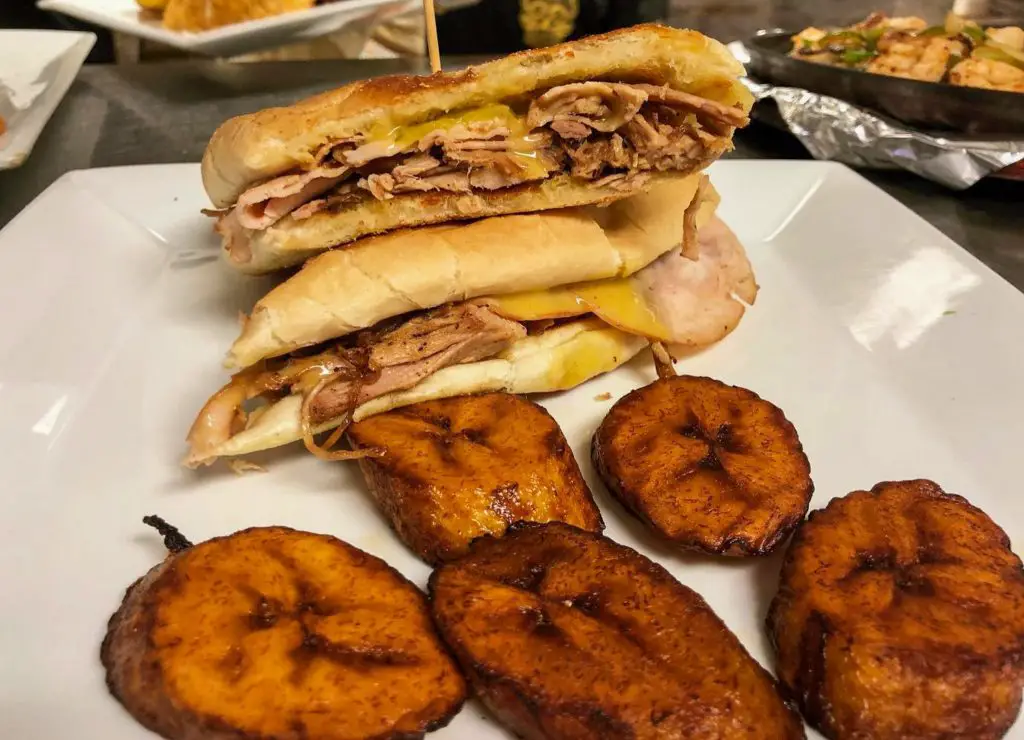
40,67
239,38
895,353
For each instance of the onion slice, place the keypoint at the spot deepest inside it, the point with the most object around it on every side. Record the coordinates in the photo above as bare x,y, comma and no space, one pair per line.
325,452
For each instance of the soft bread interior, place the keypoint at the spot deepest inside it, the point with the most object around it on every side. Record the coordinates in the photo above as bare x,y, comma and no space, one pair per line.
555,360
346,290
254,147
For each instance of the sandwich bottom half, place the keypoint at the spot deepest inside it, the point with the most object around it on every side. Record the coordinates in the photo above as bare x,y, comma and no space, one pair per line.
529,342
553,359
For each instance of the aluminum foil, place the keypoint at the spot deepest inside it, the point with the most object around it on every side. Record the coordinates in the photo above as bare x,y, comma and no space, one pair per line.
835,130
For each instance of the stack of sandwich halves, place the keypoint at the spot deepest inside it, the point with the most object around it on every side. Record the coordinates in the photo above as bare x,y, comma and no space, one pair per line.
523,225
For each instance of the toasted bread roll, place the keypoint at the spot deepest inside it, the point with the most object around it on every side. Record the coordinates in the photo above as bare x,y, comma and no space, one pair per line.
711,467
592,121
277,634
463,467
261,145
345,290
566,635
292,241
900,614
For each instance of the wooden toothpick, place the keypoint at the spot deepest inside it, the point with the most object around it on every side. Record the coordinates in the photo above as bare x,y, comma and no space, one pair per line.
432,46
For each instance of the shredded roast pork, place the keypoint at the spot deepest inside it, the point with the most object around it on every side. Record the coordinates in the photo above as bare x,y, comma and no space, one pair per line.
337,380
602,132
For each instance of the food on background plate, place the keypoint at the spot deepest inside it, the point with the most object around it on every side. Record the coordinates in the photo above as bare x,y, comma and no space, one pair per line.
355,332
275,633
900,613
709,466
564,634
590,121
460,468
959,52
204,15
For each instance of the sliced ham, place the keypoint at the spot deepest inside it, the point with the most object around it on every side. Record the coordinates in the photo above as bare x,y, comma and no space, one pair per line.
476,131
235,236
347,193
706,108
602,106
415,167
701,300
264,205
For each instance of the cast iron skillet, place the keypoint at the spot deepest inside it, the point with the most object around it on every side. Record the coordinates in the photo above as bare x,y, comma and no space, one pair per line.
927,105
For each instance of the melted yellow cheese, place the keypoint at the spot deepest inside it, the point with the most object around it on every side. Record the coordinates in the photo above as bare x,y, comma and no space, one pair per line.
588,355
401,138
619,302
405,136
535,305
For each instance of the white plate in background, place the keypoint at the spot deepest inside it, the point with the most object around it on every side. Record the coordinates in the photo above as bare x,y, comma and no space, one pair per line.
38,67
125,16
894,352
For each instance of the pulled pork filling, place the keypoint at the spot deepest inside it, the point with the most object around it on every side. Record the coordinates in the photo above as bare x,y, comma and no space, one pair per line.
339,378
606,133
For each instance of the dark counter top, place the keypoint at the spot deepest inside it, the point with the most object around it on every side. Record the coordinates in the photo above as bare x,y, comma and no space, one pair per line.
161,113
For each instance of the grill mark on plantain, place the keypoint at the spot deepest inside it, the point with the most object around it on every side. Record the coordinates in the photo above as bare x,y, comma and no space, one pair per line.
361,658
723,439
810,677
234,665
907,578
264,616
529,580
268,613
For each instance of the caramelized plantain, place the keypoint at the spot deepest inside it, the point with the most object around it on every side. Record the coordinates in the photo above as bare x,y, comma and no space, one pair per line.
710,466
272,634
463,467
566,635
900,614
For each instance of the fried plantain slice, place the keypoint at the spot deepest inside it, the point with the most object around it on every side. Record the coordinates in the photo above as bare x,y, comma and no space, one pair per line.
900,614
566,635
463,467
711,467
273,633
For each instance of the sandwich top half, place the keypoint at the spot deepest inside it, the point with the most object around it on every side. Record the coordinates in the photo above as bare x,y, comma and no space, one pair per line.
523,303
591,121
